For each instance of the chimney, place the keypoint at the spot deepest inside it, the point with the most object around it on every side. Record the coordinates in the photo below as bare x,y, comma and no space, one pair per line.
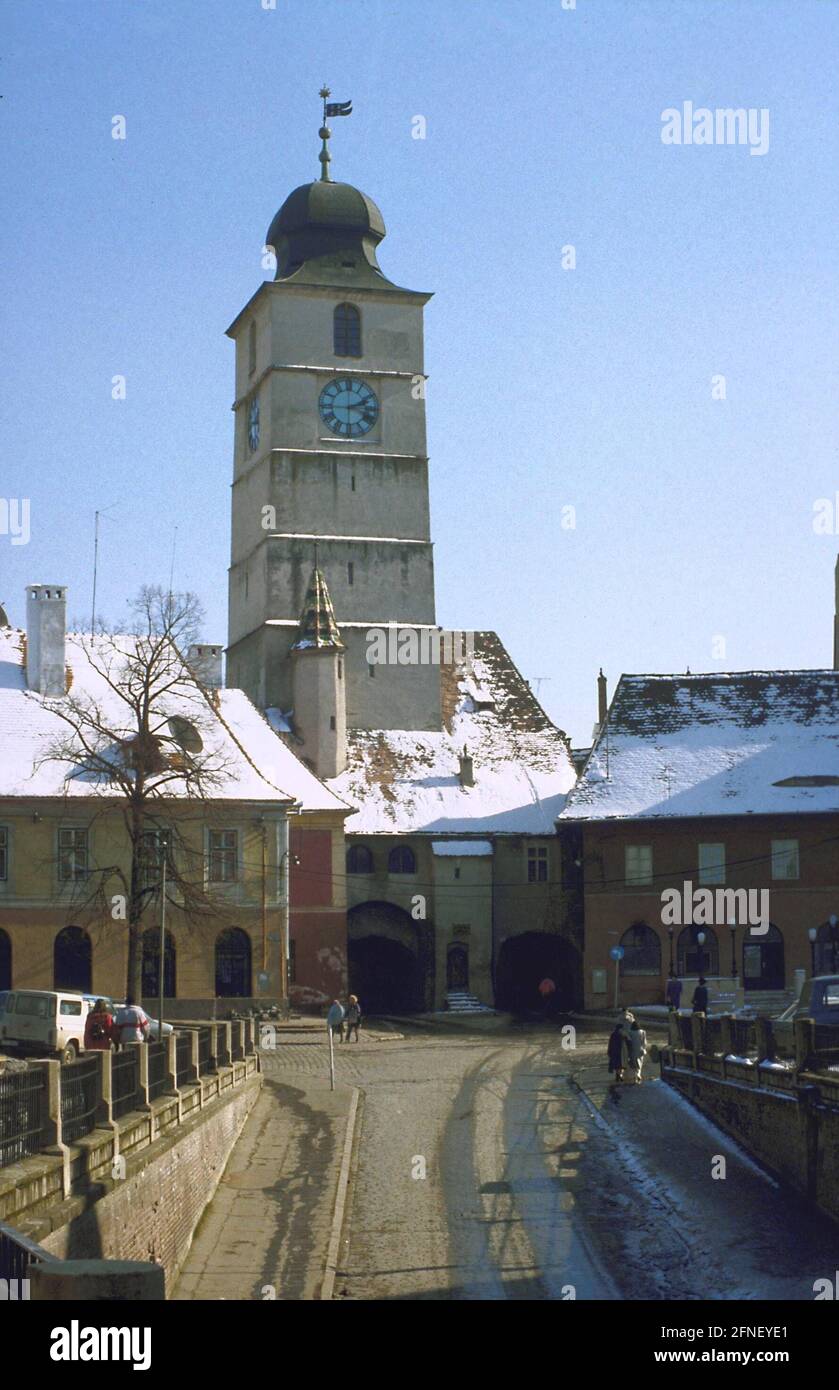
205,664
602,700
46,618
466,774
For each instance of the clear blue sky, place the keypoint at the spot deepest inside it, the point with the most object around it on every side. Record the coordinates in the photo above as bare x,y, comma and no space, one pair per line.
548,388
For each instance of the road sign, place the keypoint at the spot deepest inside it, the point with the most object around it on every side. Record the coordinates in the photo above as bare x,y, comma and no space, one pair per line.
617,953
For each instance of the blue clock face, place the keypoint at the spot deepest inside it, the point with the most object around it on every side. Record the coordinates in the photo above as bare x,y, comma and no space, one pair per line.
348,406
253,424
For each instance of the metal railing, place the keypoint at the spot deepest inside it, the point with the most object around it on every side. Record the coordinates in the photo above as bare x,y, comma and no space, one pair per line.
158,1069
21,1114
79,1098
125,1080
17,1253
183,1057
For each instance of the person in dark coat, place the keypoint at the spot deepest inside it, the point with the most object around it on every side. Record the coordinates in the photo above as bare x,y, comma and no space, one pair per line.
100,1028
700,997
615,1051
353,1016
673,993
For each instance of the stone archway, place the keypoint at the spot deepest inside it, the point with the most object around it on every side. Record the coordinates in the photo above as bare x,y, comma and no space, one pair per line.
525,961
390,959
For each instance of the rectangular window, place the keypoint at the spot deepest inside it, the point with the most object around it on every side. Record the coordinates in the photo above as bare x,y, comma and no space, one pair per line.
72,855
711,863
537,863
4,854
638,865
224,866
153,845
785,859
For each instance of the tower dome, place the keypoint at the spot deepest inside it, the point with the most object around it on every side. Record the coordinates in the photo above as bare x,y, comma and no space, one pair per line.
327,232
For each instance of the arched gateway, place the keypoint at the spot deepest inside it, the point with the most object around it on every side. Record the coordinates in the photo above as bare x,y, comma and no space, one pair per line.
525,961
391,959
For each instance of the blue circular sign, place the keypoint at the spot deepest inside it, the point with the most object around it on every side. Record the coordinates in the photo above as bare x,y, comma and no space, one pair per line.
616,953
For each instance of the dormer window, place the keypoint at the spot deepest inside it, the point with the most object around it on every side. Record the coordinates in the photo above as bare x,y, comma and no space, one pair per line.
347,331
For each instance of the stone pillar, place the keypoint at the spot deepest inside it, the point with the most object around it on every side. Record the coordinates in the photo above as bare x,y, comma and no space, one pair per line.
726,1034
145,1099
673,1031
105,1108
697,1034
52,1136
120,1281
225,1037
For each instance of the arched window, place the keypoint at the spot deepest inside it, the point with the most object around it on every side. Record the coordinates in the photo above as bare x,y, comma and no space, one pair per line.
72,960
151,965
347,331
693,959
401,860
763,959
233,964
826,950
641,951
359,860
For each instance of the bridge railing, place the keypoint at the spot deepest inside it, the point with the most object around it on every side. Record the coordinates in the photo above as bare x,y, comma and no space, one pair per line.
21,1114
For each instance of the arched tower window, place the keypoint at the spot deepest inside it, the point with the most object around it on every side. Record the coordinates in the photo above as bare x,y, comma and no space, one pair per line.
347,331
359,860
401,860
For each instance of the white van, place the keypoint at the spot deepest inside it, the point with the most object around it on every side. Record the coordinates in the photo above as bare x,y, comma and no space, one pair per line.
44,1022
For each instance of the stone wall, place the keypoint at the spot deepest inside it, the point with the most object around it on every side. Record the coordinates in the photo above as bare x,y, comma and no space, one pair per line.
145,1204
793,1131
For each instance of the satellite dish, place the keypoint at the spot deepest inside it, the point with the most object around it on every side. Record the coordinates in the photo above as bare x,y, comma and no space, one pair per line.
4,621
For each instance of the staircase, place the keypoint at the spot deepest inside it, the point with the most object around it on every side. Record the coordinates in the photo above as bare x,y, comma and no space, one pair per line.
458,1001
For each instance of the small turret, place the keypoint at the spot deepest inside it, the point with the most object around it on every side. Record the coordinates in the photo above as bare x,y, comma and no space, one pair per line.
319,683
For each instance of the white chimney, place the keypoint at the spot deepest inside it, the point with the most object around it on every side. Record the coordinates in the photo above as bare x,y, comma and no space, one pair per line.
204,662
46,619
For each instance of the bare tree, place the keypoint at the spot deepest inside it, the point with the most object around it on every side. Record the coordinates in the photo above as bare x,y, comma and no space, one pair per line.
142,735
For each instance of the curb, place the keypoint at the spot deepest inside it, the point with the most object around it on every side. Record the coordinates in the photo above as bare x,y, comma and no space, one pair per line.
328,1286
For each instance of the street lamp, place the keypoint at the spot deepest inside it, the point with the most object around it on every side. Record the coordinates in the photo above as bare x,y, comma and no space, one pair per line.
732,927
700,941
813,934
834,938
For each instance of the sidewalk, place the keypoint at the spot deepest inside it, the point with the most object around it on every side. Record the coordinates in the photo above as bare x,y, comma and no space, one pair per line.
740,1235
267,1232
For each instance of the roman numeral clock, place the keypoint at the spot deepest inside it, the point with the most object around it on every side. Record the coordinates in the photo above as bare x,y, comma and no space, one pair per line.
349,407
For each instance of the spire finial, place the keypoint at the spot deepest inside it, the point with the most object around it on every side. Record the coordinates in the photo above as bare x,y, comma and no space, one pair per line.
335,108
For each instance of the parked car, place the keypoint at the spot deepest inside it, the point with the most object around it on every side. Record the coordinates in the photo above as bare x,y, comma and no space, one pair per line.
44,1022
113,1005
819,1000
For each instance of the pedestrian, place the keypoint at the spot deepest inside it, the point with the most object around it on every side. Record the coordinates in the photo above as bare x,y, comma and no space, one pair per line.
335,1019
132,1022
353,1016
673,992
615,1051
700,997
100,1030
637,1047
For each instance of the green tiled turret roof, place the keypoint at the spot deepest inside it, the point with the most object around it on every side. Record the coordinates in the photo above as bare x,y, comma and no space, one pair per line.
317,627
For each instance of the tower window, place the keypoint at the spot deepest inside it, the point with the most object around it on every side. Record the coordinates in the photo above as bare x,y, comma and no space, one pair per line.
252,348
340,669
350,573
347,331
352,482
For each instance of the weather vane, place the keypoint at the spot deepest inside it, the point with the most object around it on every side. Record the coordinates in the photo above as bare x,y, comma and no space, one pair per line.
330,108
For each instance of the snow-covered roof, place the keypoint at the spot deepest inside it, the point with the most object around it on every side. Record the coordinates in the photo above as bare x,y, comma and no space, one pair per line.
254,764
404,781
461,849
747,743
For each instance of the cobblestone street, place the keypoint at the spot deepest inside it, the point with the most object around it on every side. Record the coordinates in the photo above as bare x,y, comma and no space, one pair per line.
493,1165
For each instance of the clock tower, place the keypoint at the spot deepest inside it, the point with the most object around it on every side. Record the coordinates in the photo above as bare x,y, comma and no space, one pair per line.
330,461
